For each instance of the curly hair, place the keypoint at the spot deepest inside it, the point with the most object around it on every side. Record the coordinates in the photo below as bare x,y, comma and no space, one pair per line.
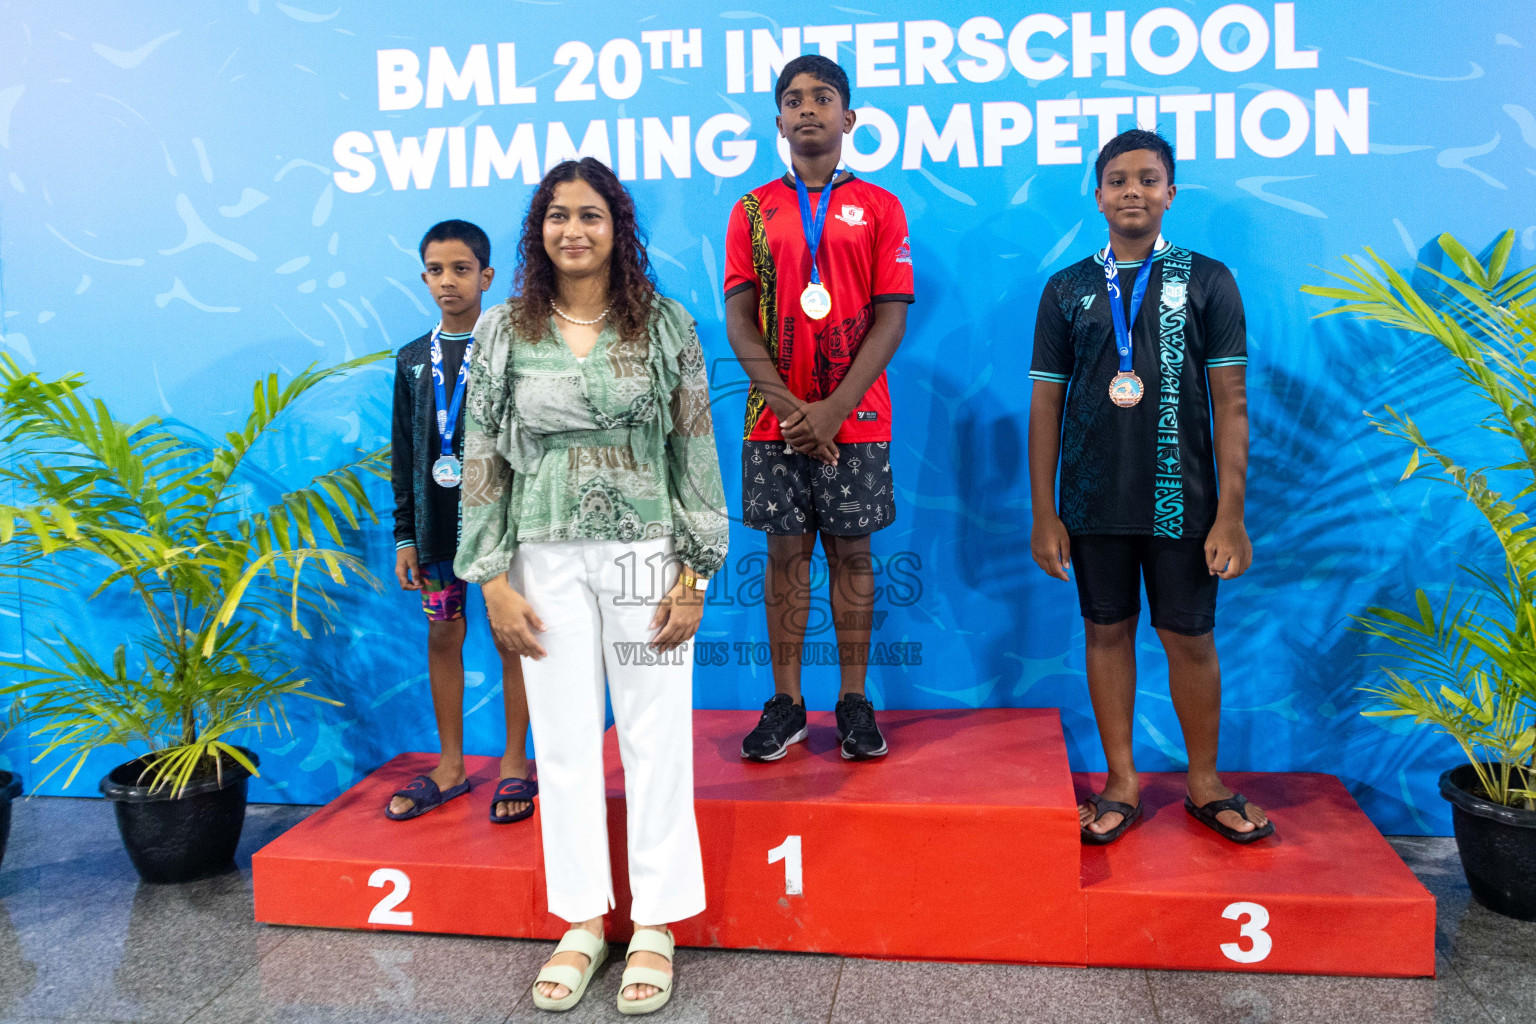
631,281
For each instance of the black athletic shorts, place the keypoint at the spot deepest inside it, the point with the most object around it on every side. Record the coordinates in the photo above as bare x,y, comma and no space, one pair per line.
784,492
1109,571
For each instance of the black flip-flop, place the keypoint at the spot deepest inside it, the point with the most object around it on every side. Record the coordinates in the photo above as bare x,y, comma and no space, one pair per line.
1128,816
1206,815
514,790
427,797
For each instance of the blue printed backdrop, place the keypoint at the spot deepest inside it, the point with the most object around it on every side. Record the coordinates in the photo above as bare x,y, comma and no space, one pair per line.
172,223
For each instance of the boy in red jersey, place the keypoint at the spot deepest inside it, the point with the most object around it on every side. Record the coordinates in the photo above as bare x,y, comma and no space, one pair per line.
817,282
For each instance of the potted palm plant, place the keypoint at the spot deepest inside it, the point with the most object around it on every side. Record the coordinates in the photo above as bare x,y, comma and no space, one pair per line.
142,510
1468,666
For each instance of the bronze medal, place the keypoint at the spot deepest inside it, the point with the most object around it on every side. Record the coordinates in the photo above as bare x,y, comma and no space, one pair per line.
1126,389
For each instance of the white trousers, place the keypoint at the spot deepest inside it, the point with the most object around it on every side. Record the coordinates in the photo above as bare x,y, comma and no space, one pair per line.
596,601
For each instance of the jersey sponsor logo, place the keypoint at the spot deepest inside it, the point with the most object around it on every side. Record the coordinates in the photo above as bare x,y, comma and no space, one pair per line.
768,213
904,251
1088,302
852,215
1174,294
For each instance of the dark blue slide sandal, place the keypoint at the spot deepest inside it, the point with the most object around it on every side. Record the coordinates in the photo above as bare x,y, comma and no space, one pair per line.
514,789
427,796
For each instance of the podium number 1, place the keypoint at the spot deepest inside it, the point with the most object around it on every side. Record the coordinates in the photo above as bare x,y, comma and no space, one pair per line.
789,852
1252,930
384,911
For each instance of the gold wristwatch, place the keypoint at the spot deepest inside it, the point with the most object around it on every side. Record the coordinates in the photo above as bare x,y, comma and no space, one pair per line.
693,582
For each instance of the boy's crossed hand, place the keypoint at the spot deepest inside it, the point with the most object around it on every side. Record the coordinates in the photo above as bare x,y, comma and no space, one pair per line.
811,429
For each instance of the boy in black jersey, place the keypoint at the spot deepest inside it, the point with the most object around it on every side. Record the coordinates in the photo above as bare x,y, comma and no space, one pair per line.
1124,404
425,471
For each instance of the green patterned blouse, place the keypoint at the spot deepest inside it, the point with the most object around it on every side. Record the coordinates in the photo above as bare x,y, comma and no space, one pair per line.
619,446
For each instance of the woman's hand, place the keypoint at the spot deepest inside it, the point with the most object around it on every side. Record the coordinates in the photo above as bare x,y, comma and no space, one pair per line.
677,617
513,622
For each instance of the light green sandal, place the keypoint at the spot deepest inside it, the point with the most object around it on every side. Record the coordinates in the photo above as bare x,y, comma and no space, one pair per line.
647,940
577,940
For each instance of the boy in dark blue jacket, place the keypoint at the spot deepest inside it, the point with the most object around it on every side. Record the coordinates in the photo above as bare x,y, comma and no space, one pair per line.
431,377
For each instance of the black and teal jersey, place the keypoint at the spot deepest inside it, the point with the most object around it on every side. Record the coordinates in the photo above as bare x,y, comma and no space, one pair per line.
1149,469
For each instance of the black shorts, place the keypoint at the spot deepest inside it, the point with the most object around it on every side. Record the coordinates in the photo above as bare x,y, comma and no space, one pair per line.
784,492
1180,588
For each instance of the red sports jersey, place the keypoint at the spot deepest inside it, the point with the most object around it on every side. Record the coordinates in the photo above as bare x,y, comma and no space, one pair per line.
864,258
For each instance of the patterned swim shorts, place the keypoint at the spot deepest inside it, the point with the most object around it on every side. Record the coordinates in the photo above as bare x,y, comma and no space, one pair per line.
784,492
442,593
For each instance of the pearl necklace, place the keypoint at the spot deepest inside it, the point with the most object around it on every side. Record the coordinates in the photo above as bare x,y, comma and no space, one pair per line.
562,314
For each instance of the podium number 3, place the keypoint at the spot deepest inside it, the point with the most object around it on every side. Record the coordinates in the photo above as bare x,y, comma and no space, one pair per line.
384,911
1252,930
789,852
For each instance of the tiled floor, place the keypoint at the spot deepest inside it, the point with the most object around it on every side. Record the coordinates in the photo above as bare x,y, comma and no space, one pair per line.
82,940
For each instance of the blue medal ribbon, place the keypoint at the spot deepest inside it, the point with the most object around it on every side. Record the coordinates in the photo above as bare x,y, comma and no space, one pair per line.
813,225
448,413
1117,311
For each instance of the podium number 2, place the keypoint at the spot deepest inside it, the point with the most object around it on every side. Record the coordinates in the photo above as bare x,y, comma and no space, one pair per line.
1252,930
384,911
789,852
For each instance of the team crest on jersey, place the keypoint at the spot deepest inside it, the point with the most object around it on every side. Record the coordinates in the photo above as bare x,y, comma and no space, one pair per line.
1174,293
853,216
904,253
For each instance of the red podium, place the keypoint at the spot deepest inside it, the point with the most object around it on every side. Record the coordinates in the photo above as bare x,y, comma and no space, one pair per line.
961,845
1329,896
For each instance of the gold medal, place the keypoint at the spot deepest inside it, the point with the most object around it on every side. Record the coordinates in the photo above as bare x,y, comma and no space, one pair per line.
1126,389
816,301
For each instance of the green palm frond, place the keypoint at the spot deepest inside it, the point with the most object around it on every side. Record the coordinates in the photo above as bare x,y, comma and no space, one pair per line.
269,399
290,522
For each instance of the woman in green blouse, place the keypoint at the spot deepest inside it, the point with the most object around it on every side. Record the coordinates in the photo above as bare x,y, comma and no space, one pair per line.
593,516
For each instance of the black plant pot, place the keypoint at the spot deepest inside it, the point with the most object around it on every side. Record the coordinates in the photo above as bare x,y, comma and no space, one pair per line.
1497,846
10,789
193,836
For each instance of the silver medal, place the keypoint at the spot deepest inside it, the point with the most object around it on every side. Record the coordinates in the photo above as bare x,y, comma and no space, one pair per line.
446,471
